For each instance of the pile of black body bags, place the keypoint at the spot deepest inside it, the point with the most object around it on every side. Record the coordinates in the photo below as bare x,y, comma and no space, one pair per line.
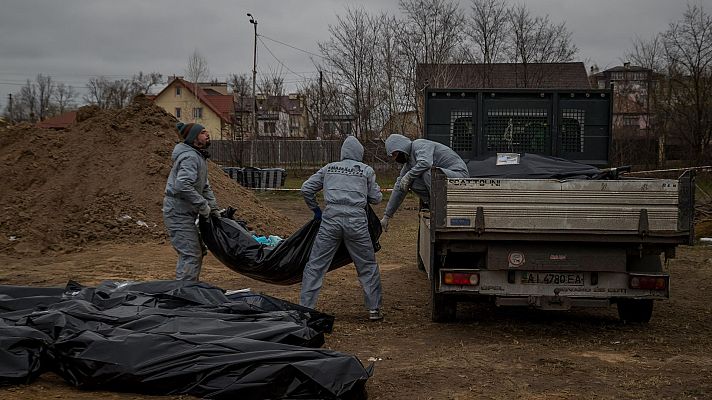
172,337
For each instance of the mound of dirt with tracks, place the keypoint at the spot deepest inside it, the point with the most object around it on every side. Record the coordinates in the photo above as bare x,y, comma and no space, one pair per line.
102,179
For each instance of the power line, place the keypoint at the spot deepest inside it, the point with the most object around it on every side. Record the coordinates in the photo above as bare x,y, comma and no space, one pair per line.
294,47
278,60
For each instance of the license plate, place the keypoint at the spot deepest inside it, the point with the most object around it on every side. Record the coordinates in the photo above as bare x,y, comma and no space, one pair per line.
553,278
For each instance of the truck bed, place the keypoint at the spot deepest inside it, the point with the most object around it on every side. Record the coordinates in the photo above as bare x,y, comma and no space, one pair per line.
636,207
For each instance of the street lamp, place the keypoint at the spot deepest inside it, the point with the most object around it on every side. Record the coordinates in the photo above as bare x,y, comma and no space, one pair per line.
253,21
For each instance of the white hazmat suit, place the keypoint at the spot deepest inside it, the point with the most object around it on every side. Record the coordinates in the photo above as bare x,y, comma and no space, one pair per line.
422,155
349,186
187,192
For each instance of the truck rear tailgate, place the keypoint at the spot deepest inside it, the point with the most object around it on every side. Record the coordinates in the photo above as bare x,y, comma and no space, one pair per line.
507,205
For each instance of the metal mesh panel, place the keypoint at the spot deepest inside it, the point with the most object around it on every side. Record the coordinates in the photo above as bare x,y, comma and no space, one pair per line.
516,130
461,130
571,130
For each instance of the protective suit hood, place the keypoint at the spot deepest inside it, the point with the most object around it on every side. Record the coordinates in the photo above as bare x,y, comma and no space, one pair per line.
352,149
180,149
397,142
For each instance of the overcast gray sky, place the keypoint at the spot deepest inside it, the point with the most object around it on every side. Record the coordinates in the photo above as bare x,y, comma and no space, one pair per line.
73,40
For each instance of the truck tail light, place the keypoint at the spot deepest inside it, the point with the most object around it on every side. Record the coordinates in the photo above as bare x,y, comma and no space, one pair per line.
460,278
649,282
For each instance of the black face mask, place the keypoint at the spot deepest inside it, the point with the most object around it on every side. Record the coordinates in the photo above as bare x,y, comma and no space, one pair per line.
401,158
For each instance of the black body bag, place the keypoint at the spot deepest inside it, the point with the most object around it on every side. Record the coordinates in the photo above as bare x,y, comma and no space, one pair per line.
232,243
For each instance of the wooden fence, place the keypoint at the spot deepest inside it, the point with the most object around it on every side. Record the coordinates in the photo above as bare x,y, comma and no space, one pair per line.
290,154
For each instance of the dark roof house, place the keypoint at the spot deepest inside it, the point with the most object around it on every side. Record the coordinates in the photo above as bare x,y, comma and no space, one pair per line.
569,75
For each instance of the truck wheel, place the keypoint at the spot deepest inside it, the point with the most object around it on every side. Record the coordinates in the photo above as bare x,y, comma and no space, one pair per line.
444,308
631,310
421,265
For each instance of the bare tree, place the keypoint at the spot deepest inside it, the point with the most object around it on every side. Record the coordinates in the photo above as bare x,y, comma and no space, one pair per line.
196,71
313,94
537,40
109,94
323,99
97,92
392,66
142,83
487,27
64,97
120,93
351,56
45,88
648,53
688,49
240,84
431,32
435,28
27,102
39,99
272,83
197,68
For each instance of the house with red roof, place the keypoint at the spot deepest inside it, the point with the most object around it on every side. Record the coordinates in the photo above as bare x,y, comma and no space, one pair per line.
208,104
60,121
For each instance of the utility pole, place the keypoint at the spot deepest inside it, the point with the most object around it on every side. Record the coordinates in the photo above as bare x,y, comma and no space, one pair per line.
12,120
320,117
253,21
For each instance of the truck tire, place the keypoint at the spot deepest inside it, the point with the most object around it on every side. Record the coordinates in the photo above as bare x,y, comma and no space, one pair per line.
633,310
420,263
444,308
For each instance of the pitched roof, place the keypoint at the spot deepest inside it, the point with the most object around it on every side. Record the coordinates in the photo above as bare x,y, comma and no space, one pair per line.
620,68
570,75
60,121
220,104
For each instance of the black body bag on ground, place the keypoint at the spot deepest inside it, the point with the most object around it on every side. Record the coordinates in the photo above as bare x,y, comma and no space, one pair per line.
232,244
171,338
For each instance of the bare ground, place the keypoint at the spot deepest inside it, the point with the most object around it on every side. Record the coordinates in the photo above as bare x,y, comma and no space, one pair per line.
490,353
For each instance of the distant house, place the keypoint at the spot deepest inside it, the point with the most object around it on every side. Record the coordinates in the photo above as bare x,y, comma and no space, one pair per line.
634,138
632,86
205,103
60,121
569,75
277,116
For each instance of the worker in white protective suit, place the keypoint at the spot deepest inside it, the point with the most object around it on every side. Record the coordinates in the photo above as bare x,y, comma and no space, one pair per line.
349,186
187,195
418,157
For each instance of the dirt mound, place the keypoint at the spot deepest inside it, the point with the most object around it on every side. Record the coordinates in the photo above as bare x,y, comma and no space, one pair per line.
101,180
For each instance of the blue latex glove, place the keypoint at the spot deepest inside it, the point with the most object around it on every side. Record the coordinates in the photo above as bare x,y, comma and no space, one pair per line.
317,213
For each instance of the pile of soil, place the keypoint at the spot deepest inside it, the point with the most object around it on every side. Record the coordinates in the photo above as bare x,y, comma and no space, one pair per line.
102,180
